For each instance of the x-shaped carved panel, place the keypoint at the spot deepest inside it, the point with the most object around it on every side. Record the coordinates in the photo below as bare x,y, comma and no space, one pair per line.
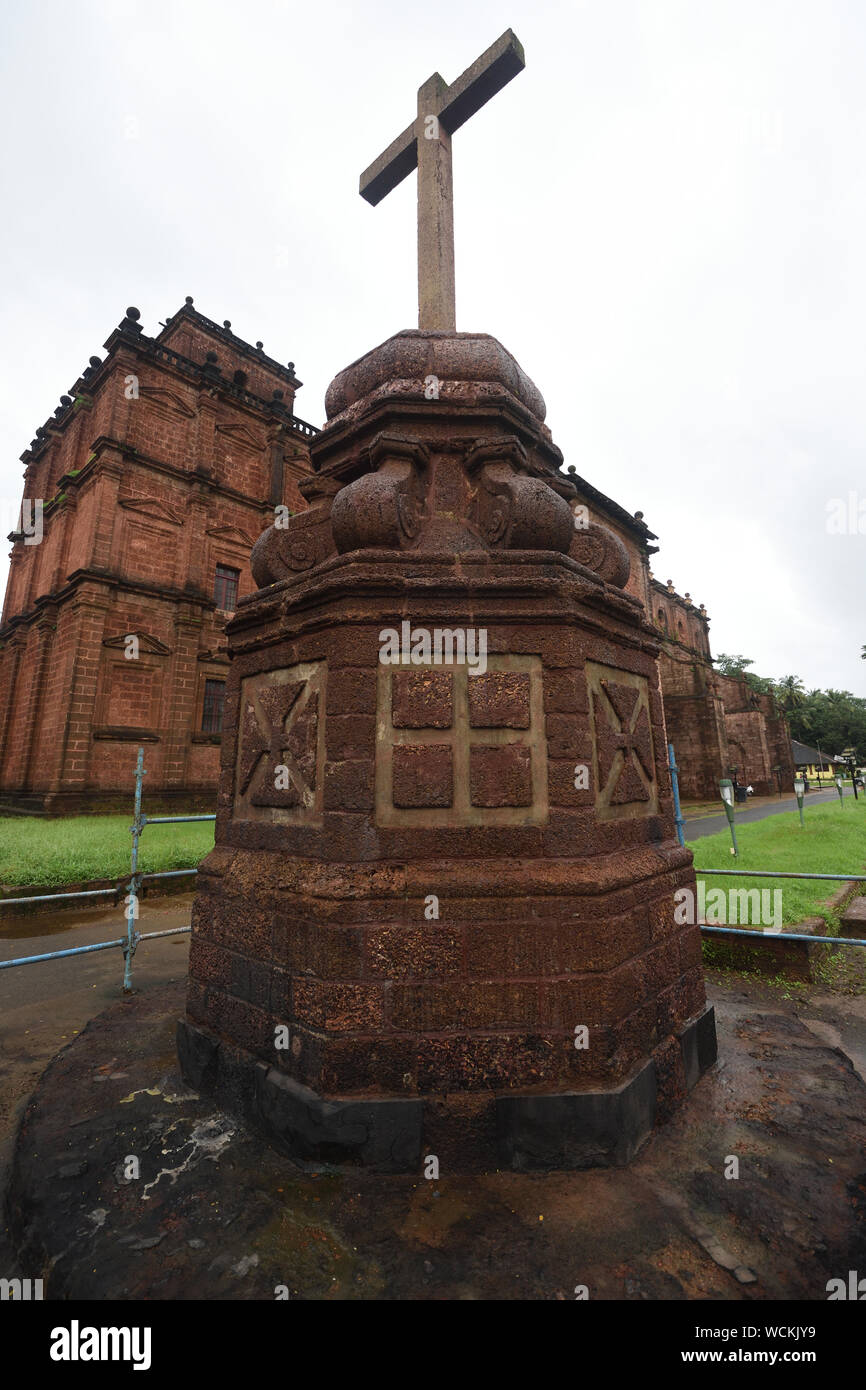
625,777
281,745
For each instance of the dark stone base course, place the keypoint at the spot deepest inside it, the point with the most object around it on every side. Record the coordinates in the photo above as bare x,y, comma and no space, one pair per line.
382,1134
571,1130
699,1045
588,1129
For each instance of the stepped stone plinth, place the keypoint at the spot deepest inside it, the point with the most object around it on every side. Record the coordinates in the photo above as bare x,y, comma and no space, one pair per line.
439,917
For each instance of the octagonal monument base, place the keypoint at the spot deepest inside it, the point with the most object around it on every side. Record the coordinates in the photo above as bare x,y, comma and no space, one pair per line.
441,914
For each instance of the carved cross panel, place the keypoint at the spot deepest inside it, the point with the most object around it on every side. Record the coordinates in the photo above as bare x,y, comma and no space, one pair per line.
458,749
622,741
278,776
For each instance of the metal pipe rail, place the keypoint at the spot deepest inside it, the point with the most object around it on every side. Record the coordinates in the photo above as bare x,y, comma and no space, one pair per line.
82,950
783,935
52,897
95,892
171,820
789,935
779,873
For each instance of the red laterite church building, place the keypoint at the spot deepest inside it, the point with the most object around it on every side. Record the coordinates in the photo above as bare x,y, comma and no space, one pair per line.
157,474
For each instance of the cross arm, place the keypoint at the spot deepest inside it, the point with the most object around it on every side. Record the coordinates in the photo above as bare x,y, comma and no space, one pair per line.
503,60
488,75
391,168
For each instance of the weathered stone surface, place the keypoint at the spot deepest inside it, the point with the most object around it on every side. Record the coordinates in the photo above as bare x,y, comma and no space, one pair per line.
854,917
499,700
304,541
441,110
384,1134
600,549
470,365
423,700
716,723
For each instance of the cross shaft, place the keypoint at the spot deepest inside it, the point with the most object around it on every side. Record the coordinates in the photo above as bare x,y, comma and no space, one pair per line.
426,145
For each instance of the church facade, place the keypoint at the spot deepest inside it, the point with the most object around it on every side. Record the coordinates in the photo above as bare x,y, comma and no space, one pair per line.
147,489
718,725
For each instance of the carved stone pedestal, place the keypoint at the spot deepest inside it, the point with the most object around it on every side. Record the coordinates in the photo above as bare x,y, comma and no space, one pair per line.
439,917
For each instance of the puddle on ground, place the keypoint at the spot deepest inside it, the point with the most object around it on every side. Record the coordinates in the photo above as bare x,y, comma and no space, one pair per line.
110,920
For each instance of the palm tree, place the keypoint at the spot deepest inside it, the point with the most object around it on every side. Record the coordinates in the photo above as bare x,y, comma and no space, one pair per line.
790,692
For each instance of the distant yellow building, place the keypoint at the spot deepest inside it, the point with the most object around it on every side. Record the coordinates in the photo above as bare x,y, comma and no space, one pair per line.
814,765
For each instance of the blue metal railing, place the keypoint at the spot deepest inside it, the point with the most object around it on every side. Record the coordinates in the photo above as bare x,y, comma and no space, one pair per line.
780,934
675,784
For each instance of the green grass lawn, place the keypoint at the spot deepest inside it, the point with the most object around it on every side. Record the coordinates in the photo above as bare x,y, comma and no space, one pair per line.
53,853
833,840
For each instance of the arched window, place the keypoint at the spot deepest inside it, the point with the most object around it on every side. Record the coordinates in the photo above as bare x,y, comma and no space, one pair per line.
663,619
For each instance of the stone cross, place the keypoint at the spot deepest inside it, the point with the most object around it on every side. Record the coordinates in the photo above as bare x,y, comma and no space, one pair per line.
427,144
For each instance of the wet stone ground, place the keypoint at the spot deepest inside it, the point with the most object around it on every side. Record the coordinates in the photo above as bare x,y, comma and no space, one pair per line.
216,1214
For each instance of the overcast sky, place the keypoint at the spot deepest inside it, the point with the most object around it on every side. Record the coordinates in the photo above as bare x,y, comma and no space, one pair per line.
663,218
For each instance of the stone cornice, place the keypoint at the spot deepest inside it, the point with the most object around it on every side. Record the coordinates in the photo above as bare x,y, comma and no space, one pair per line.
110,581
486,588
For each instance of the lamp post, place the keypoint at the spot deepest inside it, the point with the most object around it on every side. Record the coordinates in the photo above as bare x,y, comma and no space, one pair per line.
726,790
800,791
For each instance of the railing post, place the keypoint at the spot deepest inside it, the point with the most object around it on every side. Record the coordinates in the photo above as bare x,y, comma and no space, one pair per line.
135,880
674,770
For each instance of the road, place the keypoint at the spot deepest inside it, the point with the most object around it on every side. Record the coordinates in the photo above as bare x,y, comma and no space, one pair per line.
698,826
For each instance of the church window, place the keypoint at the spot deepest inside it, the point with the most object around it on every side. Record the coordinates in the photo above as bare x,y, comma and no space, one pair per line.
225,589
212,710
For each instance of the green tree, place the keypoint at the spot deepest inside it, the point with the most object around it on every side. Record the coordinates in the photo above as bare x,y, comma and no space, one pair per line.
732,665
764,685
830,720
